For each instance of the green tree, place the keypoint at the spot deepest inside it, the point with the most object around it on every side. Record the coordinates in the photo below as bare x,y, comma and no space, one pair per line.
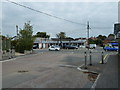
61,35
100,37
25,41
111,36
42,35
100,40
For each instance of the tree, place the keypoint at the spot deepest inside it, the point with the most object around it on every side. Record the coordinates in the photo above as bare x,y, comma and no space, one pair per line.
100,37
111,36
25,41
61,35
42,35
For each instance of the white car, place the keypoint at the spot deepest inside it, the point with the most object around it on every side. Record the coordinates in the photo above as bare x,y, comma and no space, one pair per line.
54,48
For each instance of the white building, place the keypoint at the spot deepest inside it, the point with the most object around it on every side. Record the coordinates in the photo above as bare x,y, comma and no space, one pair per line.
45,43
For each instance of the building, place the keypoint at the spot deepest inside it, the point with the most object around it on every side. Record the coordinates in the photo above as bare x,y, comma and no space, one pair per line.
117,30
45,43
119,11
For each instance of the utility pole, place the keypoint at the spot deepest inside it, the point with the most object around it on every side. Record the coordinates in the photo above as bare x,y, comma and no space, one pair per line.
17,30
88,32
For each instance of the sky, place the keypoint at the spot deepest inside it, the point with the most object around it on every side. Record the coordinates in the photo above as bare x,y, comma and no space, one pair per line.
101,16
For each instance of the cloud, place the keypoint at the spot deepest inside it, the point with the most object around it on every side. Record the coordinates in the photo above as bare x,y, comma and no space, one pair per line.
99,14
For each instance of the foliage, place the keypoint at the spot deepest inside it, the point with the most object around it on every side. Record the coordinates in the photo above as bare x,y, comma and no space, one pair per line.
98,41
61,35
42,35
25,41
100,37
111,36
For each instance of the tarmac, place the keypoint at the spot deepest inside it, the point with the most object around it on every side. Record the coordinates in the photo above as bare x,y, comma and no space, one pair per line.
109,77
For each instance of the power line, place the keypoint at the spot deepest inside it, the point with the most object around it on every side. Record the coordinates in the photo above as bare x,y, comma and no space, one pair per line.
45,13
88,26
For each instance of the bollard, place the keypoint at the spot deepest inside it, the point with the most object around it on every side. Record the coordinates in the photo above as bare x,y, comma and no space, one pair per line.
85,60
102,58
90,58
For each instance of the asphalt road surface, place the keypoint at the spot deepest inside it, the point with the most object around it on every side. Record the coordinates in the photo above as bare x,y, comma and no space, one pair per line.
47,69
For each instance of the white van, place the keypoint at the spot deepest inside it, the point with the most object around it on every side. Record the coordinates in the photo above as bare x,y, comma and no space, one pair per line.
92,46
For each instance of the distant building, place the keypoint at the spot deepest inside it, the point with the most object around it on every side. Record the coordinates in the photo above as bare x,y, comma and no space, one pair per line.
119,11
45,43
117,30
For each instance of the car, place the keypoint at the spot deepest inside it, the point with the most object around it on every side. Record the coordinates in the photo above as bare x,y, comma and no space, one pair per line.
54,48
70,47
110,48
82,46
35,46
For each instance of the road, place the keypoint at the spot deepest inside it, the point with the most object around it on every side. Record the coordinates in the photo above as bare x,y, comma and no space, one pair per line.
46,69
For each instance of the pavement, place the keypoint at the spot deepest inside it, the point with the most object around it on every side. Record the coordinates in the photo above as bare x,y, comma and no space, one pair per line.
109,76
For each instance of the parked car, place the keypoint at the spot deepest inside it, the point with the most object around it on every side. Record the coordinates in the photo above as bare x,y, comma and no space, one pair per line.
35,46
54,48
70,47
108,48
82,46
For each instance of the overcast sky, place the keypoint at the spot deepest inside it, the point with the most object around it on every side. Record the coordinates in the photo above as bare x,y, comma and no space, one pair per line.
99,14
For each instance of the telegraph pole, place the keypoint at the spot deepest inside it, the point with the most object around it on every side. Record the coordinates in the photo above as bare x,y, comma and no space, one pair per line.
17,30
88,32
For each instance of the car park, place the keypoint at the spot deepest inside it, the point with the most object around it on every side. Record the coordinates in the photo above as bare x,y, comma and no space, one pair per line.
54,48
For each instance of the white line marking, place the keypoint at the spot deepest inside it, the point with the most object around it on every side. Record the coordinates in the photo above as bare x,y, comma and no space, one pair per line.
81,65
94,85
67,65
82,69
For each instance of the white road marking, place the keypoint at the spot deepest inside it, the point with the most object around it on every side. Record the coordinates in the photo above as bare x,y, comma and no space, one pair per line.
94,85
82,70
67,65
